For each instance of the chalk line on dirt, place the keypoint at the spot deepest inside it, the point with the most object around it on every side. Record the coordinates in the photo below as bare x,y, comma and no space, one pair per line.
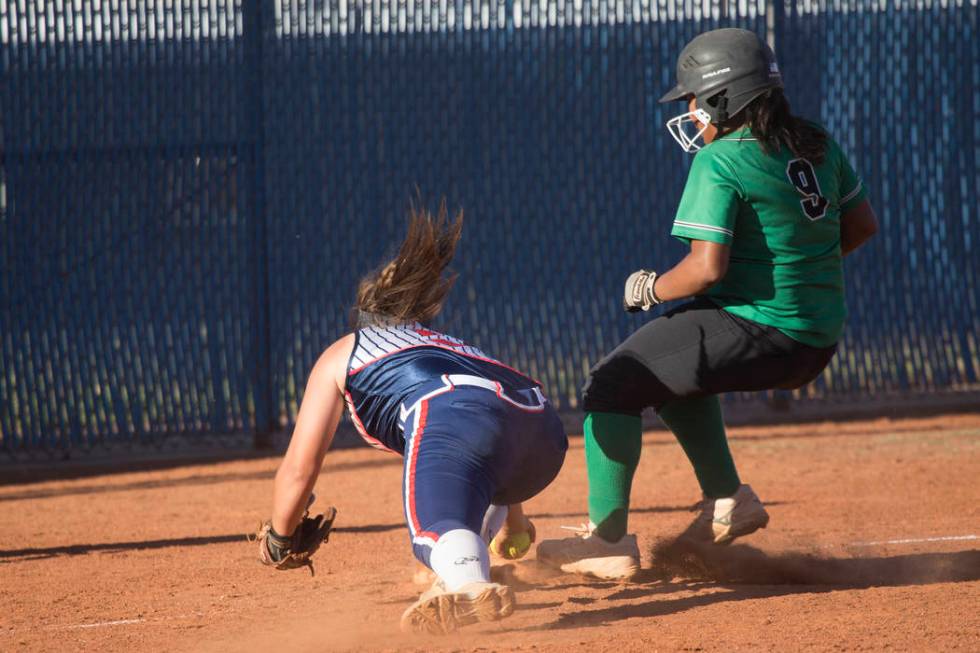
909,540
124,622
102,624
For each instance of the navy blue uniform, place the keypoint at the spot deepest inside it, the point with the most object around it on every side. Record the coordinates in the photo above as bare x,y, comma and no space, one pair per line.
473,431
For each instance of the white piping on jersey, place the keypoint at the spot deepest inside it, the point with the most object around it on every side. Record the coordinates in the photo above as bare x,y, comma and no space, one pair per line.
403,413
706,227
359,426
852,194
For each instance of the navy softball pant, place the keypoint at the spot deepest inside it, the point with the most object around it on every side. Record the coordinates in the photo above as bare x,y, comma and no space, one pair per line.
469,445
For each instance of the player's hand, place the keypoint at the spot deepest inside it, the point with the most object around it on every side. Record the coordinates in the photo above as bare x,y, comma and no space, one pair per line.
513,544
638,294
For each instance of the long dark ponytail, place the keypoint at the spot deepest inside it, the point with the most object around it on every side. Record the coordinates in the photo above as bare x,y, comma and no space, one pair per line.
774,126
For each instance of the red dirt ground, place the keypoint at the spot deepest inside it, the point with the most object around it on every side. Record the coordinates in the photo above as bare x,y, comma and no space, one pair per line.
157,561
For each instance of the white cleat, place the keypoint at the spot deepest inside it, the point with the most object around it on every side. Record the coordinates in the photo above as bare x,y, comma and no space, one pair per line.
731,517
439,611
590,555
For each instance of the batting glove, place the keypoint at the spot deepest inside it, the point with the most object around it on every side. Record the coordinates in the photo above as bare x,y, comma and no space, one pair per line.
638,294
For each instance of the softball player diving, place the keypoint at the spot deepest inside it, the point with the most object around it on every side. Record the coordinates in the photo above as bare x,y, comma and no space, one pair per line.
770,207
477,436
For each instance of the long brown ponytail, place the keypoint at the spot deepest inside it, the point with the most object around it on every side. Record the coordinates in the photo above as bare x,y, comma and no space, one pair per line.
411,287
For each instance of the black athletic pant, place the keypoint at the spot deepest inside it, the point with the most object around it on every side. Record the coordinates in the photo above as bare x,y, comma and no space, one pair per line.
696,350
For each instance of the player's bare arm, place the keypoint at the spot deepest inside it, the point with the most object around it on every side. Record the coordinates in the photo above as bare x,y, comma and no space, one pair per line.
857,226
319,414
704,266
516,521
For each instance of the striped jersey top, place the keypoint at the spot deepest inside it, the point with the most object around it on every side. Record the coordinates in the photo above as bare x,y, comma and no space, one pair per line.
392,365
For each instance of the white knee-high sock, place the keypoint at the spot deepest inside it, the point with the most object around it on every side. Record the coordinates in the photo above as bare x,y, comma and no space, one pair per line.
493,521
460,557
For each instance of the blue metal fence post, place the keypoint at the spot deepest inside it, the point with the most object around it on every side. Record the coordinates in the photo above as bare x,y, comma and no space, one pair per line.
775,20
779,400
254,26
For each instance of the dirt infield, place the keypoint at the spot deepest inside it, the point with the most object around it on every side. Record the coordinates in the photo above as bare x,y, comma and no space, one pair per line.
874,544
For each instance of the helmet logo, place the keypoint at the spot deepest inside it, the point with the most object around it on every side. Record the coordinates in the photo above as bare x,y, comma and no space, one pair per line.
715,73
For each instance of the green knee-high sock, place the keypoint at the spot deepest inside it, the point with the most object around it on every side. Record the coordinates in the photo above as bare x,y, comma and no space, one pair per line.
612,452
699,427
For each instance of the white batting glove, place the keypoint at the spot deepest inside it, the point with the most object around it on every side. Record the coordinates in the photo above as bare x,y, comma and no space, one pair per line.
638,294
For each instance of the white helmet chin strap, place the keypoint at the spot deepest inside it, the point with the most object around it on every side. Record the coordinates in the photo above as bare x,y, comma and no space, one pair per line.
676,128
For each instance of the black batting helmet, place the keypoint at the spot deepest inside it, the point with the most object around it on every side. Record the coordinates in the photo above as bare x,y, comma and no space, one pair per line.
725,69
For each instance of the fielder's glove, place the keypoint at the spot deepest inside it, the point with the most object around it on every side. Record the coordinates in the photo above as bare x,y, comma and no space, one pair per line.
294,551
638,294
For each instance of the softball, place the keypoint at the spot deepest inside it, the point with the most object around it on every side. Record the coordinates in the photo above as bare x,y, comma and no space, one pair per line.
513,547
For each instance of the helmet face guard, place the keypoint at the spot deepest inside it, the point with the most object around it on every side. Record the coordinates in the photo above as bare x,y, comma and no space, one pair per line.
676,127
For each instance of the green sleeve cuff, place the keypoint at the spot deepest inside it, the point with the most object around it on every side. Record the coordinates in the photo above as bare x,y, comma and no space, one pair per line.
693,231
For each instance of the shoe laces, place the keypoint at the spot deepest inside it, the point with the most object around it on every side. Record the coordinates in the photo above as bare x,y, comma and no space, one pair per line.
582,530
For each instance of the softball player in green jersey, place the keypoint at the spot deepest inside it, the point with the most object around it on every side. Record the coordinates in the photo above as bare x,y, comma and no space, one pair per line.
770,208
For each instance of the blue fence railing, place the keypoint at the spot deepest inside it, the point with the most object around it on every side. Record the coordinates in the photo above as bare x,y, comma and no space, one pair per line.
189,191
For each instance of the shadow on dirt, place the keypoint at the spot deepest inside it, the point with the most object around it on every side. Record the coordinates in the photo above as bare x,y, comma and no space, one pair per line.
742,572
634,511
22,555
185,481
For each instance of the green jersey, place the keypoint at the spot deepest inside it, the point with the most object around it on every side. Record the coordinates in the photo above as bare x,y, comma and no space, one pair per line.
781,217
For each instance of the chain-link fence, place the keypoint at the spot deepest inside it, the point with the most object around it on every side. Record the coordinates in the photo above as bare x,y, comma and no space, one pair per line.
190,190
